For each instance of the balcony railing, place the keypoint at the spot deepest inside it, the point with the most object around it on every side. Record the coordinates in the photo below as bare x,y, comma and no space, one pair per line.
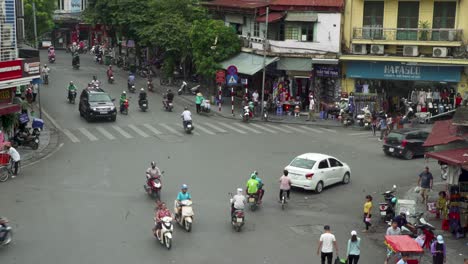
408,34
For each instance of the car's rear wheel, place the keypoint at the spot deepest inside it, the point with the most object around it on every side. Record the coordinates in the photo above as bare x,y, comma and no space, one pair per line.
319,187
346,178
408,155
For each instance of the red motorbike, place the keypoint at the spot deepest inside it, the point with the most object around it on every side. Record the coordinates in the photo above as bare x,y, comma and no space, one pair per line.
153,187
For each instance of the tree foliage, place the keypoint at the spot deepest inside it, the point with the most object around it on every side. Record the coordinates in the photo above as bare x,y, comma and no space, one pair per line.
206,54
44,17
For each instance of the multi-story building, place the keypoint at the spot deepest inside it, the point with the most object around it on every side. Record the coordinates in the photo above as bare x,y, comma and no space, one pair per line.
301,41
405,49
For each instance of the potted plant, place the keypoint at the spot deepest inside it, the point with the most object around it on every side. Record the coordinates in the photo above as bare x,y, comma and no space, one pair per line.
424,27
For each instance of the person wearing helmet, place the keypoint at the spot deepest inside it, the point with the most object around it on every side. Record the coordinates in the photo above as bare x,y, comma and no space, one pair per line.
161,212
71,88
141,96
170,95
182,196
109,72
186,116
131,80
123,98
260,185
238,201
45,72
153,171
252,185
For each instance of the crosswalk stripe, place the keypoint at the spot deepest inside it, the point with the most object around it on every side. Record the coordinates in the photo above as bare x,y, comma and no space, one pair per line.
70,135
216,128
152,129
105,133
88,134
358,134
170,129
311,129
196,133
233,128
295,129
138,131
264,128
205,130
329,130
246,127
278,128
122,132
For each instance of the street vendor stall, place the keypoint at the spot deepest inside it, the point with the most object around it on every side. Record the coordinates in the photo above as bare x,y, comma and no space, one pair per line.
405,245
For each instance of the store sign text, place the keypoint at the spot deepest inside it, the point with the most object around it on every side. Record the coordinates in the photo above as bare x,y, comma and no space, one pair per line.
402,71
10,70
5,96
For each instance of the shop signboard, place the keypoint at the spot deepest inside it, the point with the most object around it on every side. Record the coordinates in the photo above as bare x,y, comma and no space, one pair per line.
6,96
327,71
31,67
403,72
10,70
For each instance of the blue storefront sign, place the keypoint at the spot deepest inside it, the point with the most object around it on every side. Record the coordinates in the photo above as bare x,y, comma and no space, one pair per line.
403,72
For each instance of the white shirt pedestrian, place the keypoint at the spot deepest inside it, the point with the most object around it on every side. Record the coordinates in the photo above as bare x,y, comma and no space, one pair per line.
15,156
255,96
327,240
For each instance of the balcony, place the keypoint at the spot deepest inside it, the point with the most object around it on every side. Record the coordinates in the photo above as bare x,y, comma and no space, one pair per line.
408,36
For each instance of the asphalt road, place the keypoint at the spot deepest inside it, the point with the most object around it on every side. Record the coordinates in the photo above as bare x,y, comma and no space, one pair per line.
86,204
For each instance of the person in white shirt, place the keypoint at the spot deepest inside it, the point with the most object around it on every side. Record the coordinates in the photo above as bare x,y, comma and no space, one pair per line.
186,116
326,244
238,201
255,96
35,90
311,107
15,156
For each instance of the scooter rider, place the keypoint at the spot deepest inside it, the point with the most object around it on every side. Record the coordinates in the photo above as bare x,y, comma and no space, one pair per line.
168,97
131,80
96,83
238,201
109,72
260,185
71,88
252,185
186,116
123,97
182,196
160,214
141,96
153,171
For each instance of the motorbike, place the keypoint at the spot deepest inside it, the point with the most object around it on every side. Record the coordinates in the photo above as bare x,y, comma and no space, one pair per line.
7,229
110,79
184,87
71,96
51,58
365,119
153,187
246,114
76,62
166,232
124,107
25,138
205,106
98,58
168,105
188,127
185,219
143,105
149,86
253,201
346,118
237,217
131,87
387,208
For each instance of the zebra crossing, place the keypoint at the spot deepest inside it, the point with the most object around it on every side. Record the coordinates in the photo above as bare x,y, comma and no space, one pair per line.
132,131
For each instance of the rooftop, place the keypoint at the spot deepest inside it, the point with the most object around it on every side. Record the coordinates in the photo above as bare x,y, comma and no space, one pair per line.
311,3
242,4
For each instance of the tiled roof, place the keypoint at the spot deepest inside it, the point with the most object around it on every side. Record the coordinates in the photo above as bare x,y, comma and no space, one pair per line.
310,3
244,4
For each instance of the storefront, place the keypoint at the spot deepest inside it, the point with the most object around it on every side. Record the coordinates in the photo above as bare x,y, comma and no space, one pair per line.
430,88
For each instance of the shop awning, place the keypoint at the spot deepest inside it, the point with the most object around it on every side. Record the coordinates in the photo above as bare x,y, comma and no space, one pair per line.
301,17
17,82
455,157
272,17
325,61
443,132
294,64
403,244
9,109
247,63
461,116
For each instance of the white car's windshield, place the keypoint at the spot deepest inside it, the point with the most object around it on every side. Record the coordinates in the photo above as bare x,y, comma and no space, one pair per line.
303,163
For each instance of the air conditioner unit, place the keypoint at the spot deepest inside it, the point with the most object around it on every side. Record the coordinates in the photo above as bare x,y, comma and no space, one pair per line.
6,35
447,35
410,51
359,49
439,52
377,49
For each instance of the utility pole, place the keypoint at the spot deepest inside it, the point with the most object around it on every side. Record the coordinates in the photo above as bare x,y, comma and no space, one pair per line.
35,24
265,36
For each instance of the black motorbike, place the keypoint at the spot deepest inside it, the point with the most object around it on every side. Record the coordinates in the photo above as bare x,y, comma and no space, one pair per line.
71,96
76,62
387,208
143,103
27,139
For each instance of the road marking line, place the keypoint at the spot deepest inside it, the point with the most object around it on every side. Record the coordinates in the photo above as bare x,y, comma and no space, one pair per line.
70,135
248,128
193,131
278,128
205,130
122,132
216,128
358,134
88,134
311,129
138,131
295,129
329,130
105,133
170,129
233,128
263,128
152,129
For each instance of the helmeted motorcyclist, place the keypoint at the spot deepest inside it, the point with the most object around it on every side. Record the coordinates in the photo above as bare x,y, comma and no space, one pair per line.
252,185
142,95
238,201
131,79
260,185
123,98
51,52
153,171
168,98
95,81
160,214
109,72
186,116
71,88
182,196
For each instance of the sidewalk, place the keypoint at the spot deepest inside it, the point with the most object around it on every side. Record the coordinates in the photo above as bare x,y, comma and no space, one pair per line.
457,249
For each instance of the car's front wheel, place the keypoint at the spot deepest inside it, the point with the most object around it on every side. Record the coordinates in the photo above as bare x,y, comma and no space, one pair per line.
319,187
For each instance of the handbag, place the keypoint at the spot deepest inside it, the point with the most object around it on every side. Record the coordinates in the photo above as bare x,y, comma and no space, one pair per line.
340,261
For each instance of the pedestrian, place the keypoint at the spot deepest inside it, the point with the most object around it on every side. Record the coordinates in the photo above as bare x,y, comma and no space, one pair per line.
198,100
311,107
425,183
374,124
367,212
389,123
458,100
35,90
15,156
438,251
383,127
399,121
393,230
442,205
326,244
354,248
404,259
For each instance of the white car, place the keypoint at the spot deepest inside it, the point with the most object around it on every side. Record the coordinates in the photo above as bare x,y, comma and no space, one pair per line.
313,171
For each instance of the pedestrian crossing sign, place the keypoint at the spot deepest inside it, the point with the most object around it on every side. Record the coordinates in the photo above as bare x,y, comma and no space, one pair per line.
232,80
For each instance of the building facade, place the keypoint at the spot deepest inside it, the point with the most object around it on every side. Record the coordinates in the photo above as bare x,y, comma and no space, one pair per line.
415,50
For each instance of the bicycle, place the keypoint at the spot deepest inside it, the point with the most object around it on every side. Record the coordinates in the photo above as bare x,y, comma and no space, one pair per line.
283,200
6,167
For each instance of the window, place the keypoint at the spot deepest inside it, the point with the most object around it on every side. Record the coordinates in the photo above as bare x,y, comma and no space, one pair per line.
323,164
300,31
292,32
307,32
237,28
99,98
444,15
302,163
334,163
373,17
408,17
256,32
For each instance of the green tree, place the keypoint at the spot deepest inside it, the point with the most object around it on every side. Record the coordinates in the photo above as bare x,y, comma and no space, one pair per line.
206,54
44,17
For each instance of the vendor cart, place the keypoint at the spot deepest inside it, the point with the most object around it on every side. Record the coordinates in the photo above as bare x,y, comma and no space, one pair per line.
404,245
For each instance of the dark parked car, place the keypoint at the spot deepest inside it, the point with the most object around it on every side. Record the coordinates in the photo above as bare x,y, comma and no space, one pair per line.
406,143
95,103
